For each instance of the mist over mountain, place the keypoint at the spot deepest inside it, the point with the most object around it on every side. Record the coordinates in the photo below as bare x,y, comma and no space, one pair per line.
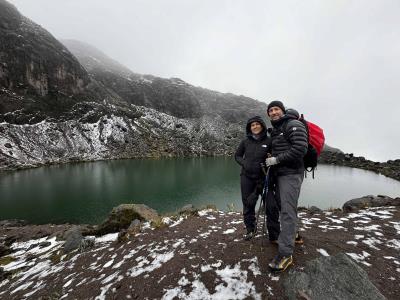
172,96
71,103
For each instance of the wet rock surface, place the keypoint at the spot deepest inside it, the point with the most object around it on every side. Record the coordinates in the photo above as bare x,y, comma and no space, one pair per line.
333,277
198,255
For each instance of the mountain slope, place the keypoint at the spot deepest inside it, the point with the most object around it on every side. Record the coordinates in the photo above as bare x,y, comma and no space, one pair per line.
172,96
54,110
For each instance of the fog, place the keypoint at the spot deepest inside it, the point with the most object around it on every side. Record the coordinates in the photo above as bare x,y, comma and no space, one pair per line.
335,61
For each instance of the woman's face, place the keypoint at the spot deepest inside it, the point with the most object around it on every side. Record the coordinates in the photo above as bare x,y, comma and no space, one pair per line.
256,128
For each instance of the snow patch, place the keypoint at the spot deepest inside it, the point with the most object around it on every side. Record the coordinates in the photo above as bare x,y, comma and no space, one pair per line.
229,231
360,257
352,243
235,286
111,237
323,252
371,242
177,222
159,259
394,244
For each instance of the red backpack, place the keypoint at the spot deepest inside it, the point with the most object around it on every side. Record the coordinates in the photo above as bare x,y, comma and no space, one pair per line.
316,140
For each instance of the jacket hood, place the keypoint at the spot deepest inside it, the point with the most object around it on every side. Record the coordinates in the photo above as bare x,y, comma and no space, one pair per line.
290,114
255,119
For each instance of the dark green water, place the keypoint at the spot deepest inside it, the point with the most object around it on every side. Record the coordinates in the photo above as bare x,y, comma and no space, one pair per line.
86,192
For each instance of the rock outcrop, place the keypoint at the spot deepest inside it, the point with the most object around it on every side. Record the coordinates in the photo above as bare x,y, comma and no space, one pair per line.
332,277
370,201
121,217
73,239
391,168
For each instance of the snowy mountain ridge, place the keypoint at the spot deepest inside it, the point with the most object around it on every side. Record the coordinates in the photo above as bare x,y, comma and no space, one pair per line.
61,104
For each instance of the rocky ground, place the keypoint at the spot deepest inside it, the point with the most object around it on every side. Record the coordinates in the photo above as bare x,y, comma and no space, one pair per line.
197,256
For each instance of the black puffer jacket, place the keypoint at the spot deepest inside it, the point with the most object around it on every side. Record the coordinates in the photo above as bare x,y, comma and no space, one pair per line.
289,146
252,152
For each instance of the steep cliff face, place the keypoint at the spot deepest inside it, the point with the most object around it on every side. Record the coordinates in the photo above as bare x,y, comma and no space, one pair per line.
53,109
36,71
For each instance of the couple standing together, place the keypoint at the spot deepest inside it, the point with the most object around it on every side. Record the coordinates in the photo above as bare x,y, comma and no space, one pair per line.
281,151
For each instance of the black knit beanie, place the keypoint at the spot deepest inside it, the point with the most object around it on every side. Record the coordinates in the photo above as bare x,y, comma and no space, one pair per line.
276,103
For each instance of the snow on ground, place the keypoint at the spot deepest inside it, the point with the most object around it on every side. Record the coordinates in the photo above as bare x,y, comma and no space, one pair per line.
360,257
234,286
229,231
111,262
111,237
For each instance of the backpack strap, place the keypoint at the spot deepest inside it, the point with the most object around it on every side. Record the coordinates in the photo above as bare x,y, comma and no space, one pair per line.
285,125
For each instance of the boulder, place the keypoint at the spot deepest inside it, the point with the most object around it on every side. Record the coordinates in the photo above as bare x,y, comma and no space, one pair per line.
314,210
87,243
134,227
188,209
4,250
332,277
212,207
122,216
73,239
370,201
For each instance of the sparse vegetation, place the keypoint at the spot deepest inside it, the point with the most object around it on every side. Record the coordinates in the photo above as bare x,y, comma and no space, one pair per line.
5,260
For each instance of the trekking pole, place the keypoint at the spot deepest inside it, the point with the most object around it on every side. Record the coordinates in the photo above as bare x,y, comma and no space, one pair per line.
263,200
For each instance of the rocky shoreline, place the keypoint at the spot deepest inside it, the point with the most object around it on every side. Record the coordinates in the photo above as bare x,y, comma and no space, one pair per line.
391,168
199,254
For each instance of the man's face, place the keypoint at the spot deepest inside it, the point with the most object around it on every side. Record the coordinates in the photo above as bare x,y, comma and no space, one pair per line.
255,128
275,113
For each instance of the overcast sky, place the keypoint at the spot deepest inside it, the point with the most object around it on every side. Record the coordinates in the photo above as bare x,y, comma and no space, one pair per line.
338,62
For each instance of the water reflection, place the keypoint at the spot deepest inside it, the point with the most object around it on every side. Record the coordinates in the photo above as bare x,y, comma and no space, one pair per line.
86,192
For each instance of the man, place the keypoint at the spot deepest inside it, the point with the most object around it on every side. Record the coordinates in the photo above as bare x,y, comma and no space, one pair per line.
250,154
289,142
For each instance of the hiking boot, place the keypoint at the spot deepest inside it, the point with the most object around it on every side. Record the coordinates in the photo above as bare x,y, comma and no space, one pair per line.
249,235
299,239
280,263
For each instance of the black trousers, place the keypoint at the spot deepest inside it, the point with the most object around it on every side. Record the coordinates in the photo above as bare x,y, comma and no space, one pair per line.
251,190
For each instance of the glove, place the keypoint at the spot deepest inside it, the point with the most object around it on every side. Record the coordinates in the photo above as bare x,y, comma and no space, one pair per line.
270,161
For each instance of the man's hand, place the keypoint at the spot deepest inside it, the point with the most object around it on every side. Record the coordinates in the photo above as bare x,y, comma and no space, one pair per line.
270,161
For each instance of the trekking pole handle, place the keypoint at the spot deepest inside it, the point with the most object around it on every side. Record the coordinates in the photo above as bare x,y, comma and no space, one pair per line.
264,169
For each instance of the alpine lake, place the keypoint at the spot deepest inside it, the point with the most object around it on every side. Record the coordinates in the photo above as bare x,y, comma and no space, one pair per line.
86,192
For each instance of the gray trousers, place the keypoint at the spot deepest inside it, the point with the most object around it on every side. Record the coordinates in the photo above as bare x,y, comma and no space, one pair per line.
288,187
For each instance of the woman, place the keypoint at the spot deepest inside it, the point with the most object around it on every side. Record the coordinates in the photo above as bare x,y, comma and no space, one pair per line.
251,154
